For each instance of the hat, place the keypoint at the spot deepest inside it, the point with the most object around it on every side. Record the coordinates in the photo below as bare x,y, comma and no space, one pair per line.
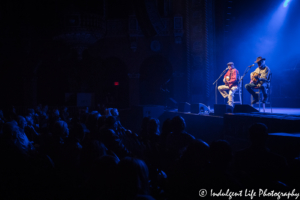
230,63
259,59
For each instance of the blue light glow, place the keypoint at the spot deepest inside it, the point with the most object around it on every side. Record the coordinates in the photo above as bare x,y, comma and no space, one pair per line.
286,2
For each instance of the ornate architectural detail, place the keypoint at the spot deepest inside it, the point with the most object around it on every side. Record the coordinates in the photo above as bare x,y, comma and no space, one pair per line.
167,27
116,28
154,16
81,30
133,27
134,32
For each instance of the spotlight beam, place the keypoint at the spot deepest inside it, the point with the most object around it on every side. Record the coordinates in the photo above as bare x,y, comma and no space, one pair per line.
286,2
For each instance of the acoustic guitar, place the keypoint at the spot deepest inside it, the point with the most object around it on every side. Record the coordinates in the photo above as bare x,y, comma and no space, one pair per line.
255,77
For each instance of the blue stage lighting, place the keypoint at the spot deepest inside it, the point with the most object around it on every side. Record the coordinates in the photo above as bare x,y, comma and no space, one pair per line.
286,2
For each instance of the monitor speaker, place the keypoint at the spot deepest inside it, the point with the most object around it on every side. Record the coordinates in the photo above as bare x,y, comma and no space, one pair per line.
221,109
184,107
199,108
244,109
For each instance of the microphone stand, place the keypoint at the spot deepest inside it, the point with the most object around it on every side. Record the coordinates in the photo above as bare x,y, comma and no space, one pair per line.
241,79
216,88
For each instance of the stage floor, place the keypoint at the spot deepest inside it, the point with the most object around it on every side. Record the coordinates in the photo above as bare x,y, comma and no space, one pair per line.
276,110
288,111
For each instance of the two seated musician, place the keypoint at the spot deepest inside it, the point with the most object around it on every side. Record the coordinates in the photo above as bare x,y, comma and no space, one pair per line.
259,80
231,81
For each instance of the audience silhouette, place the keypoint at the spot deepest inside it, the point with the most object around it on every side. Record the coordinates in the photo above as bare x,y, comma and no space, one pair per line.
57,154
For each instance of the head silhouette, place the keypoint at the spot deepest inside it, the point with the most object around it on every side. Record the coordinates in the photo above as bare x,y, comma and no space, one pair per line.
258,134
196,154
61,129
153,126
134,176
178,124
221,153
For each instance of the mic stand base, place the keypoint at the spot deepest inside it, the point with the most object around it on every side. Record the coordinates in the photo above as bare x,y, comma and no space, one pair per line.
216,88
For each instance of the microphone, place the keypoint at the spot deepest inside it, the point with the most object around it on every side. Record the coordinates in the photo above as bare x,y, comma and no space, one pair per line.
251,65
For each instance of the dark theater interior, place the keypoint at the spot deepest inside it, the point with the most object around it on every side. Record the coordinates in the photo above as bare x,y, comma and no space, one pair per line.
149,99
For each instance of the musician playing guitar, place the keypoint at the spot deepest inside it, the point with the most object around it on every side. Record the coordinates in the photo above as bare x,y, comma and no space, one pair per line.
231,80
258,80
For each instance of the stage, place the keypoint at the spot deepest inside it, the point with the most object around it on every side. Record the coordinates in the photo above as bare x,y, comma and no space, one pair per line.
280,110
233,126
283,126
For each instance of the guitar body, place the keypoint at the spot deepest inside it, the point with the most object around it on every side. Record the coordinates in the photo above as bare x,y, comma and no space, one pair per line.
226,80
255,77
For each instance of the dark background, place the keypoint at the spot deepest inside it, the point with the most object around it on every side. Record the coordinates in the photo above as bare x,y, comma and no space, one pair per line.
48,49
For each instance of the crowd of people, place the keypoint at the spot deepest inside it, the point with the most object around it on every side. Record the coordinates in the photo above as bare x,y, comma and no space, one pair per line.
54,154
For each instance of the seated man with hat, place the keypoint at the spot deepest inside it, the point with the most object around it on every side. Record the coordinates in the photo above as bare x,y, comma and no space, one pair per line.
259,80
231,79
